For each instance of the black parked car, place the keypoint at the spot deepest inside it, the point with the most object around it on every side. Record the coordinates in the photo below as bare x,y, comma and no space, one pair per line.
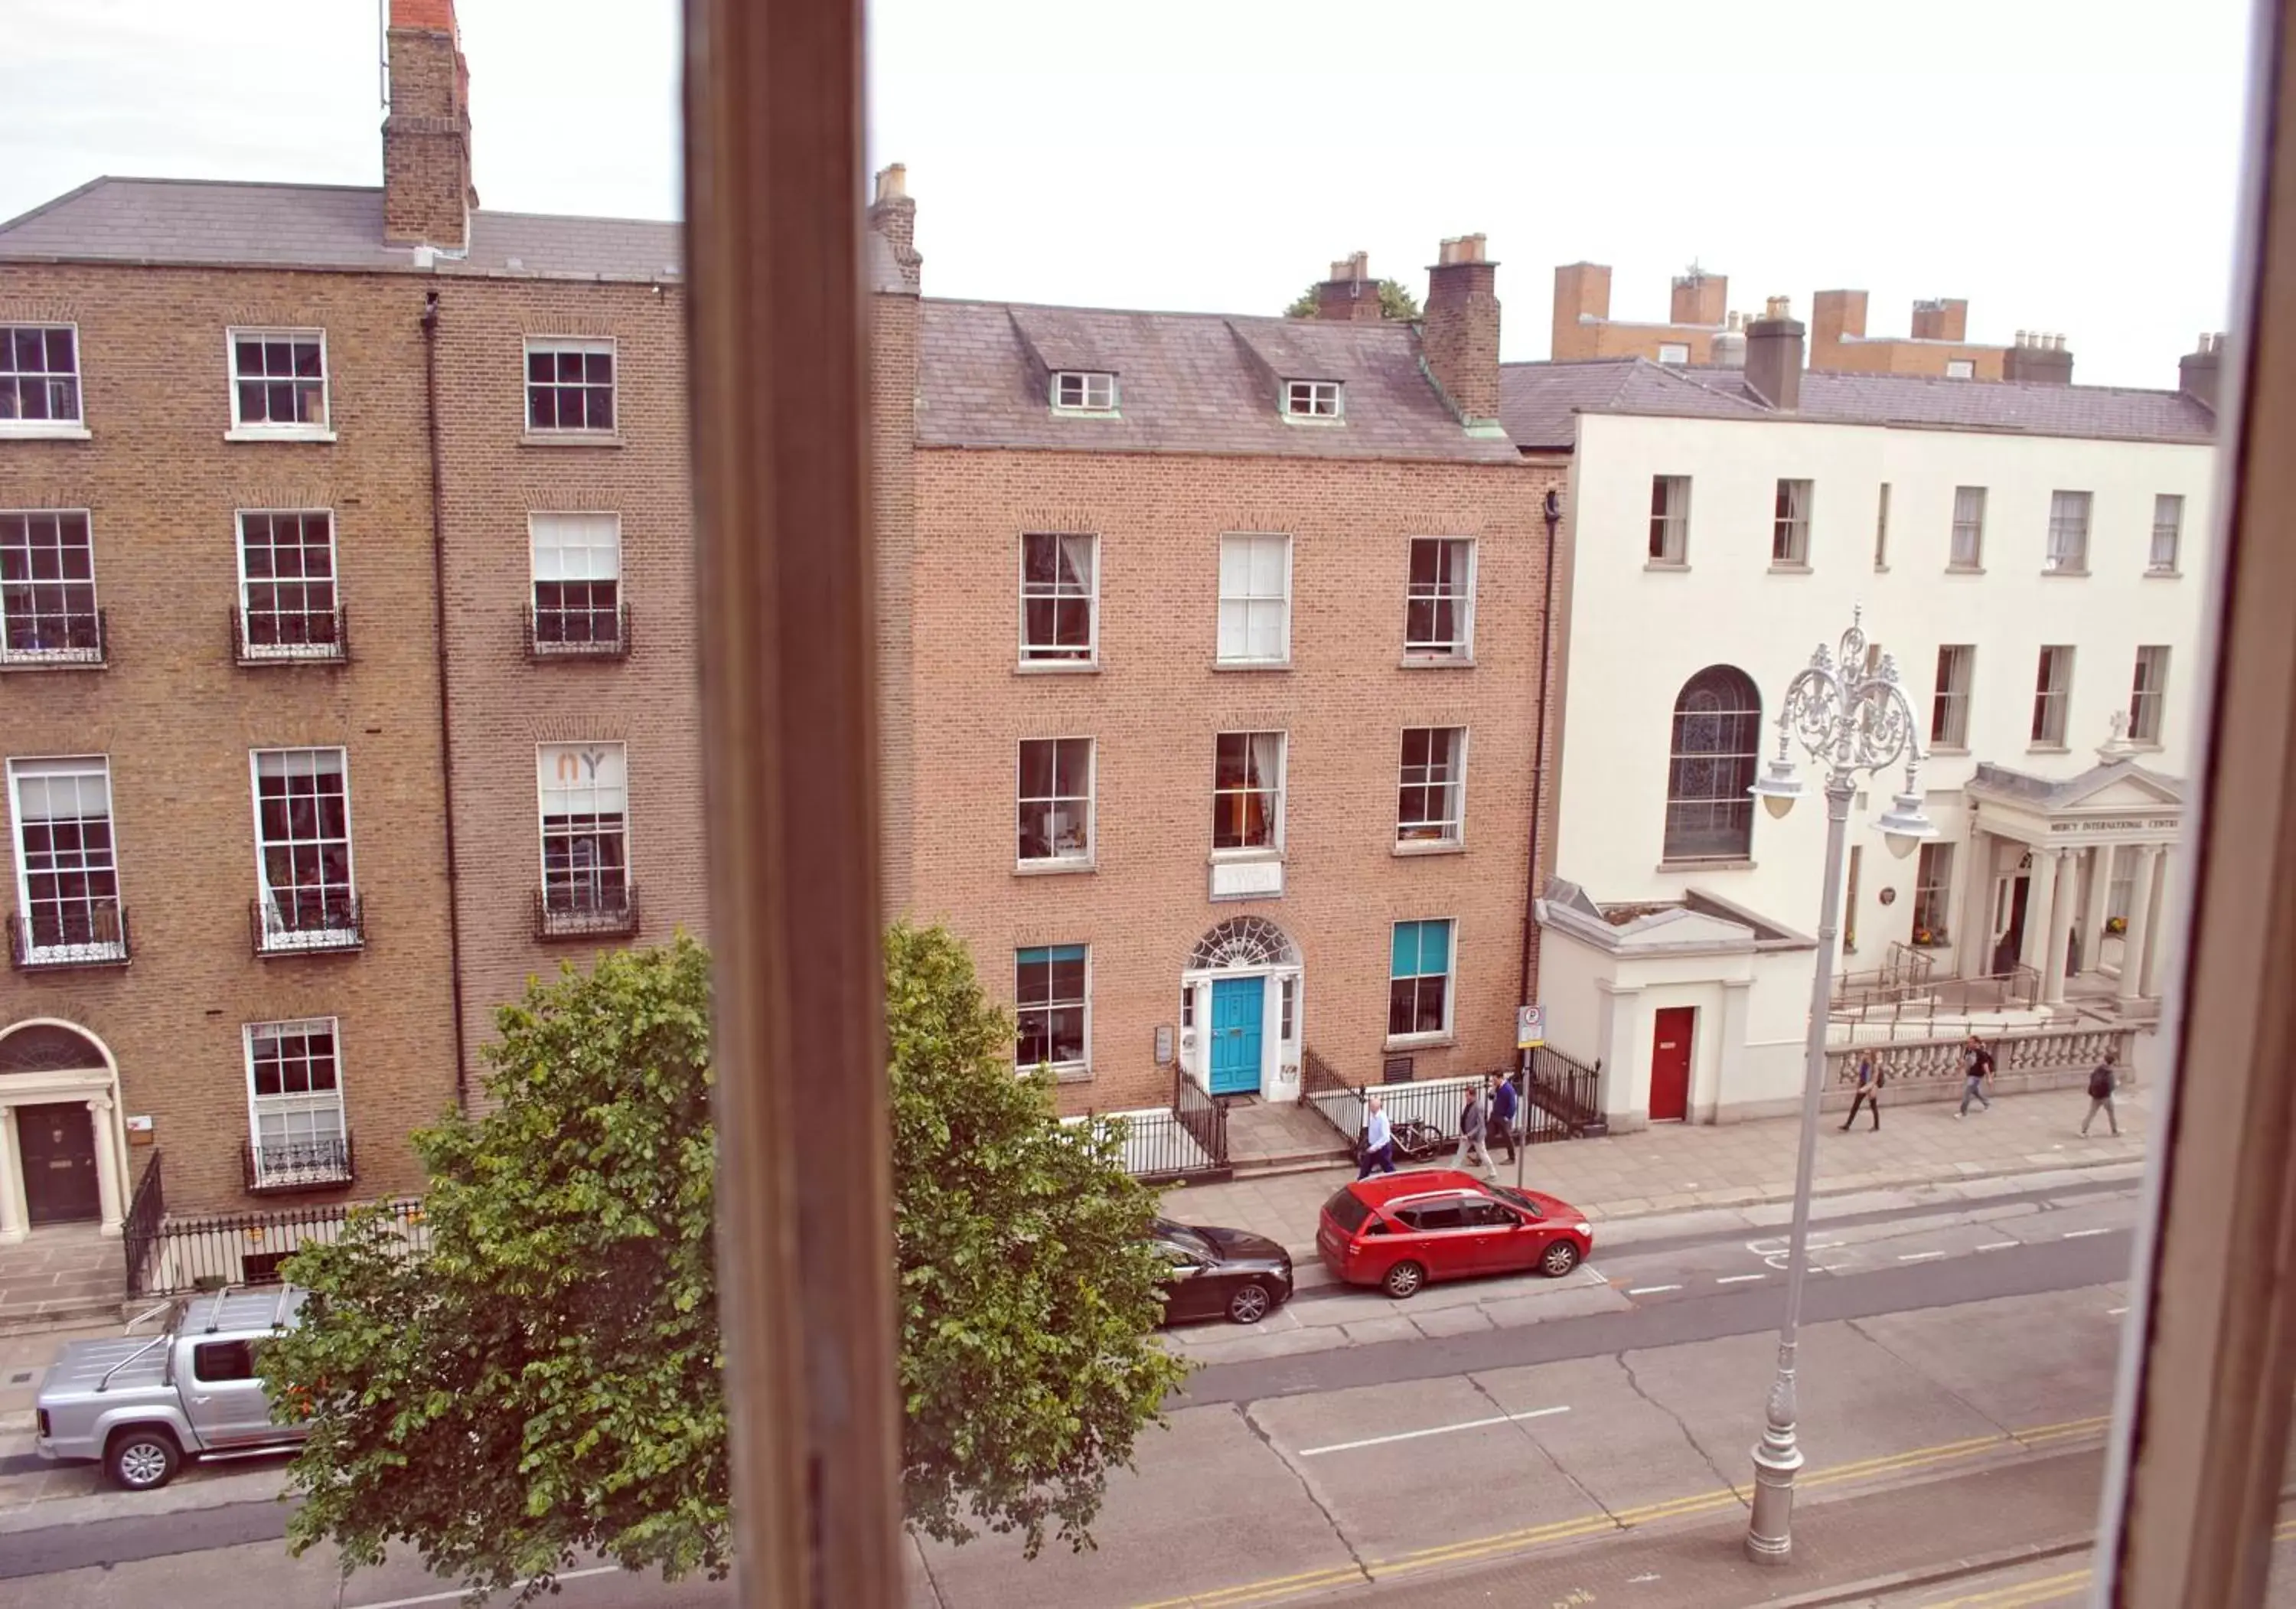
1222,1273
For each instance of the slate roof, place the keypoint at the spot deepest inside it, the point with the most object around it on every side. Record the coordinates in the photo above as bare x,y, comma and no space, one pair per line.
212,223
1186,382
1539,402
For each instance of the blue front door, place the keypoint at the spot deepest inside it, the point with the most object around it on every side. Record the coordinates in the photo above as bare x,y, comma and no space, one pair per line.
1235,1034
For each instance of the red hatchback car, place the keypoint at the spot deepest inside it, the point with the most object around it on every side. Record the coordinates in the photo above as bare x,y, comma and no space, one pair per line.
1399,1230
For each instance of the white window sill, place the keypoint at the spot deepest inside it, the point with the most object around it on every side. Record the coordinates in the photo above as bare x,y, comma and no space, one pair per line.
570,438
2145,745
2073,571
1429,846
1880,570
1438,662
1055,867
2047,749
1672,566
1320,421
1232,856
1964,569
275,433
1068,1072
1725,864
60,659
1059,412
1947,750
1282,664
1781,568
2170,574
41,430
1057,668
1419,1041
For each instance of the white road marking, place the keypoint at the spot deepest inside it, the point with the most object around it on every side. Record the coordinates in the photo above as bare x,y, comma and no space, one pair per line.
1827,1267
1736,1278
1999,1245
447,1597
2084,1234
2114,1312
1919,1256
1345,1446
1650,1290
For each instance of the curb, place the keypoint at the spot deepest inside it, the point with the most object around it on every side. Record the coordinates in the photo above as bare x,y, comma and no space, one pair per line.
1932,1575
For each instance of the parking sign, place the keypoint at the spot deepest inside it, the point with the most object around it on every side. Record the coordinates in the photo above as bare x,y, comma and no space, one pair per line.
1530,1027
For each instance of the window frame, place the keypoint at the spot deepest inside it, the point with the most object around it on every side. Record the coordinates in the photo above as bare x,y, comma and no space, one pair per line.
1454,832
587,346
542,831
2055,560
1961,368
2052,678
1314,392
255,1110
333,647
1220,656
1975,527
561,644
1882,529
2154,564
1084,379
1080,1068
1669,526
93,950
1461,595
338,925
2154,699
1791,515
53,427
267,430
1950,698
1679,348
1280,792
1051,657
1417,1035
1674,853
1085,858
90,651
1933,891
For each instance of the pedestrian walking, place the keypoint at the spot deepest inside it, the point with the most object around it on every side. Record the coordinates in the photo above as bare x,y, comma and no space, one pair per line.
1870,1077
2101,1082
1473,1117
1378,1142
1504,1106
1977,1066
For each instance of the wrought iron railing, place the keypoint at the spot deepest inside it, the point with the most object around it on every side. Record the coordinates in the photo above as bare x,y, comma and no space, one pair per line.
602,912
78,640
1564,1094
147,1209
1560,1100
284,1168
593,634
307,925
291,637
1204,1118
104,942
181,1254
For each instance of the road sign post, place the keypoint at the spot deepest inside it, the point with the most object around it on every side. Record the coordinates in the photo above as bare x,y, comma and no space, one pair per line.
1530,1034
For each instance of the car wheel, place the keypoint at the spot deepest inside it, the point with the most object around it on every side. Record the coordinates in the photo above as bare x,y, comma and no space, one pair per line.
1558,1258
142,1460
1404,1279
1250,1304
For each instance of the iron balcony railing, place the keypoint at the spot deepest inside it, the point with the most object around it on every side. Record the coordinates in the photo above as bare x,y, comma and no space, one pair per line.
578,633
100,938
586,911
283,1169
307,925
71,641
291,637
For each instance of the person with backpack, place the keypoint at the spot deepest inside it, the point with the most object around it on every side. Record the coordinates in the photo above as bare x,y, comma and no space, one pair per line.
1504,1103
1870,1080
1473,1117
1976,1062
2101,1082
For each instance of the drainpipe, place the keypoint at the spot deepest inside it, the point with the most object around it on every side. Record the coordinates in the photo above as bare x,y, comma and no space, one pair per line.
446,696
1552,511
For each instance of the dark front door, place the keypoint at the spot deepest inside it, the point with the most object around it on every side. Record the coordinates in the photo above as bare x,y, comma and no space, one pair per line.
1669,1100
58,1143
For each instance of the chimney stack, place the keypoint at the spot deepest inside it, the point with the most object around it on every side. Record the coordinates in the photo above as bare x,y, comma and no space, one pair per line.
1350,295
2040,358
893,215
1774,355
2198,371
1462,339
1729,348
427,196
1941,320
1700,298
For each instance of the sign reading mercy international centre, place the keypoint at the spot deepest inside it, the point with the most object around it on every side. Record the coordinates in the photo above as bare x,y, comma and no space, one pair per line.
1530,1027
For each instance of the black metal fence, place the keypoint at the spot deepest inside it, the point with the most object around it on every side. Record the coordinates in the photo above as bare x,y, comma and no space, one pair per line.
1560,1100
173,1255
1185,1140
146,1210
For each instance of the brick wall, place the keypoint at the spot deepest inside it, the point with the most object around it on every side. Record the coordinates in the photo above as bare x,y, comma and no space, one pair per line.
1156,704
892,485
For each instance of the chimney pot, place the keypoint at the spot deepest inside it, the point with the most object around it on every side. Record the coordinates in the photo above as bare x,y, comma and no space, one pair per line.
1778,307
893,182
2199,370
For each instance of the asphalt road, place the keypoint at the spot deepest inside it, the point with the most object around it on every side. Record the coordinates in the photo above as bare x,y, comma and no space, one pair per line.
1592,1413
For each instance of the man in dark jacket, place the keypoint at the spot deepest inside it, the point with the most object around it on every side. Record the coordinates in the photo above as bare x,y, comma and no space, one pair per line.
1504,1104
1977,1064
1869,1091
2101,1082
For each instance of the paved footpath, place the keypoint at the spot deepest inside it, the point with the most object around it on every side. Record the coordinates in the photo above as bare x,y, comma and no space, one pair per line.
1680,1167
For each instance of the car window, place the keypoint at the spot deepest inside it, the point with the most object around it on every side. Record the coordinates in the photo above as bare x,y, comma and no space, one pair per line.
214,1361
1518,1199
1489,1215
1433,1216
1181,1237
1347,1211
1378,1226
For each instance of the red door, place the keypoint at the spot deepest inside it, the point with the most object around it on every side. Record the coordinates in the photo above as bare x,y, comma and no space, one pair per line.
1669,1095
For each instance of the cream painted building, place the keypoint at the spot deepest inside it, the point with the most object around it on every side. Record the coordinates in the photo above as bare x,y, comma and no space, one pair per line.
2031,557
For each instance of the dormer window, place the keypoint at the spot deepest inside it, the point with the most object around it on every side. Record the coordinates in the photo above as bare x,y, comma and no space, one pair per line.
1084,391
1311,398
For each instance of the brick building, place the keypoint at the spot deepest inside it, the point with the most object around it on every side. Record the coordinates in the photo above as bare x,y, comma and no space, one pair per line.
1211,651
313,501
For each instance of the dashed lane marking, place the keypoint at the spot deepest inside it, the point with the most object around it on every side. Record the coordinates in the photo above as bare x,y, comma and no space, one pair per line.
1650,1290
1433,1430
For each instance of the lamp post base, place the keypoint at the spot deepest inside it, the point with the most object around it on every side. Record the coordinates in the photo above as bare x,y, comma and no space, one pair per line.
1769,1531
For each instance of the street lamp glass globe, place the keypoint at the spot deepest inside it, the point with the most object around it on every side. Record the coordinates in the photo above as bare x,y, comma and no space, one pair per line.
1906,825
1777,788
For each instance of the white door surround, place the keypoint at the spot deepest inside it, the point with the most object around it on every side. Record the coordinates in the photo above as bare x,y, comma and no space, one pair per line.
1247,947
44,1061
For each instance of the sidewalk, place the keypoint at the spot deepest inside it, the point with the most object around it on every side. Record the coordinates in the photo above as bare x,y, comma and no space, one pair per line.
1680,1167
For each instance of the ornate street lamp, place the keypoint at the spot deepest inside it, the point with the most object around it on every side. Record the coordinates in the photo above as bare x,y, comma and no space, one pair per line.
1851,716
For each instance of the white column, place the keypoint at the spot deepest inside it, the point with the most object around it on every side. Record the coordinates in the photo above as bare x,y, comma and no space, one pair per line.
1622,1076
2137,942
11,1181
2149,979
107,1164
1730,1051
2040,890
1973,918
2100,885
2061,926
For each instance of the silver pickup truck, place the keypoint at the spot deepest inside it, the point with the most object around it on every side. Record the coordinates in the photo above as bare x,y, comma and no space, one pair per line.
144,1404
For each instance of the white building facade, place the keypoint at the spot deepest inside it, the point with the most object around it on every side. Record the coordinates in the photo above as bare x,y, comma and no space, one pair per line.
2030,558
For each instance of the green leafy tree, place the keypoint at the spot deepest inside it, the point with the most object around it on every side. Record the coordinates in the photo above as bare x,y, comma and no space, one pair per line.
1394,302
545,1379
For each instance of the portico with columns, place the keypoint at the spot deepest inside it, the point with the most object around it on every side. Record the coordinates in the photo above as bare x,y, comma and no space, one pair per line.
2044,860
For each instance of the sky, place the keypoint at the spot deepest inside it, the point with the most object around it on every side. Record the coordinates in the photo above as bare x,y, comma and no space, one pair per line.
2069,167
